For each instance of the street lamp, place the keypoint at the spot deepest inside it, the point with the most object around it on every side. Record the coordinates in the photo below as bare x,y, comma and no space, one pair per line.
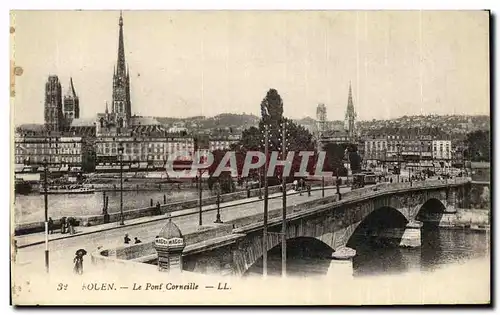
217,219
283,223
266,196
399,165
46,214
420,158
120,152
323,184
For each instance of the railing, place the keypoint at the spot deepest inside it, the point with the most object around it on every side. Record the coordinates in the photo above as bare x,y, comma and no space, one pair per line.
354,195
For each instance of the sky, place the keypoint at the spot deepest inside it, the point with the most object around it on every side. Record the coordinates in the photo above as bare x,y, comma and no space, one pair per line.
188,63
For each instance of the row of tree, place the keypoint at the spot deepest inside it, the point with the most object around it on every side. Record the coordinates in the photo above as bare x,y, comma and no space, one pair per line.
478,145
297,139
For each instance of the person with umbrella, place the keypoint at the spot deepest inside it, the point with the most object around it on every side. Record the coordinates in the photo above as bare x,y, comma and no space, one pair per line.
78,260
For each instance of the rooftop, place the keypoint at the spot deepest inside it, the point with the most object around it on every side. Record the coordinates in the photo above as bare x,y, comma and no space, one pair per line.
170,230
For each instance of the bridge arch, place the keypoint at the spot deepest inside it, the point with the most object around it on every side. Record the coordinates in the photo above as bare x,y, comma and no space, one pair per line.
302,247
431,212
377,225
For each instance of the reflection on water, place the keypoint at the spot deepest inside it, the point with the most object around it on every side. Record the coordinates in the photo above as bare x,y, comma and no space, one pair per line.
439,248
30,208
443,247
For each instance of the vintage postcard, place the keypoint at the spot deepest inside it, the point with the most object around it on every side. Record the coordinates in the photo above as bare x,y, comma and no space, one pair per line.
250,157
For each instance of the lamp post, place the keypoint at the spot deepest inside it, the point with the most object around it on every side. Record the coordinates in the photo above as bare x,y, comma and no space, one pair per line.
120,152
46,205
200,201
264,234
283,223
217,219
348,165
323,184
399,165
337,184
196,140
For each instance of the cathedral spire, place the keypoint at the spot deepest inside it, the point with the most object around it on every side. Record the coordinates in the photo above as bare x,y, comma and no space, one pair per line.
350,104
71,89
350,114
121,49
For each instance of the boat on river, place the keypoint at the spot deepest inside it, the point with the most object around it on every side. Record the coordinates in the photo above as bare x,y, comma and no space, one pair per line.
68,189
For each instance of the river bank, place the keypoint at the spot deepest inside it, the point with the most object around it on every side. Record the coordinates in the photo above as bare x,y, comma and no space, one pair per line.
473,219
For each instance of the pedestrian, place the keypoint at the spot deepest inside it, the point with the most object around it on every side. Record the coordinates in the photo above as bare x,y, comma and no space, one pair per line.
63,225
390,180
126,239
158,208
137,241
71,225
78,260
51,226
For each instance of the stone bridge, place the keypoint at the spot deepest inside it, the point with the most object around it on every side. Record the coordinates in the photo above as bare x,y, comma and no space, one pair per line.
391,212
386,212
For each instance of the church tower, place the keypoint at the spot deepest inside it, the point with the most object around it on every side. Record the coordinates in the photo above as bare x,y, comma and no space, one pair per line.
350,116
321,119
71,109
53,105
121,107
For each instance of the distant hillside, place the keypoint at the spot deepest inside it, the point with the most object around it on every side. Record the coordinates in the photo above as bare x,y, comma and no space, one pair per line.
305,121
222,121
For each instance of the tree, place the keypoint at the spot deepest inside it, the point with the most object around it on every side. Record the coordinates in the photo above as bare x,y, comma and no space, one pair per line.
225,179
89,157
354,158
297,137
335,153
478,143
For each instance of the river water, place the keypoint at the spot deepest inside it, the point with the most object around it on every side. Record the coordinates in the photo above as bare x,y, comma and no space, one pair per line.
440,248
30,208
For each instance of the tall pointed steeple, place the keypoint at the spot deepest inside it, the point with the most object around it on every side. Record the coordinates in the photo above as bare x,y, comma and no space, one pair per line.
350,114
350,103
121,84
71,108
121,48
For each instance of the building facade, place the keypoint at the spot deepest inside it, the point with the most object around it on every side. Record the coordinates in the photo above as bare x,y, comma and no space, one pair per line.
441,150
148,150
57,150
375,148
222,142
